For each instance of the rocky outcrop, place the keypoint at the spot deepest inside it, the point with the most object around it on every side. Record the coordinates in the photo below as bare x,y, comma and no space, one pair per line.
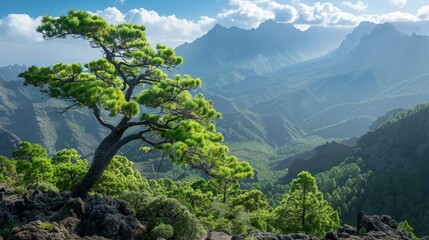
50,215
368,228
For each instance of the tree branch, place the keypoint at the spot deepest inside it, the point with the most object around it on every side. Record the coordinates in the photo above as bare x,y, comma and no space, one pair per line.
65,109
97,115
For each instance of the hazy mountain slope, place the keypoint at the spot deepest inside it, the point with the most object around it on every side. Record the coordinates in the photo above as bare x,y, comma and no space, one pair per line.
231,51
385,70
29,116
10,72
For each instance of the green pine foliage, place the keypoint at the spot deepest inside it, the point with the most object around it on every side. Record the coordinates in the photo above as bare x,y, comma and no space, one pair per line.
304,210
406,226
128,78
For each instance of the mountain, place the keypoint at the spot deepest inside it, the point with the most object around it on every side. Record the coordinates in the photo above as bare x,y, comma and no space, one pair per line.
27,115
235,53
352,40
320,159
386,172
10,72
341,94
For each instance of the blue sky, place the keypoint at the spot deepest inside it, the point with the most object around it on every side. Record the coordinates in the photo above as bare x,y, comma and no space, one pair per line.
173,22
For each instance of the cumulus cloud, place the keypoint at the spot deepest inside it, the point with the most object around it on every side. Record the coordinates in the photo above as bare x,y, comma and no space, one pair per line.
358,6
283,13
245,14
399,3
112,15
20,27
423,13
325,14
169,30
250,13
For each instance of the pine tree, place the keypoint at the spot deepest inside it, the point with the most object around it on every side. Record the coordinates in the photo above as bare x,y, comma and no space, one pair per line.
128,79
303,209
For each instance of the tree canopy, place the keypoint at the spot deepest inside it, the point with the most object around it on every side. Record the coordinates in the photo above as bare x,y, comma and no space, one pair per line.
303,209
130,94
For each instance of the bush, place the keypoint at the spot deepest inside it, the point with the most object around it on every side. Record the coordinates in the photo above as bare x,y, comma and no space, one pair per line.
163,210
43,186
164,231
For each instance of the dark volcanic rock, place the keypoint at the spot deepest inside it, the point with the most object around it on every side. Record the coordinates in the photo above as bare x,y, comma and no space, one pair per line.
68,218
369,228
274,236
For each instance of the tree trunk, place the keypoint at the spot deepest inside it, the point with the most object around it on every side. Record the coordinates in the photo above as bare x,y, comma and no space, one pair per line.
102,157
303,209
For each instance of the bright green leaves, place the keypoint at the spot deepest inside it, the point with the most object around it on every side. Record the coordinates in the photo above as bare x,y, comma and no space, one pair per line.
118,178
8,172
304,210
407,227
76,23
100,87
172,97
29,151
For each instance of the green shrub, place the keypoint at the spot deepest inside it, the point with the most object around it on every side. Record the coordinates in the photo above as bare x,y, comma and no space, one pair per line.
46,226
163,210
43,186
164,231
7,229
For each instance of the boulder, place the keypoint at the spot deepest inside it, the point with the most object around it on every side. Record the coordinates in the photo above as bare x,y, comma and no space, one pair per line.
72,218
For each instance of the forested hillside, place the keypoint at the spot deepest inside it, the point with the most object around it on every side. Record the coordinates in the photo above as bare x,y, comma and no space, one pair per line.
385,173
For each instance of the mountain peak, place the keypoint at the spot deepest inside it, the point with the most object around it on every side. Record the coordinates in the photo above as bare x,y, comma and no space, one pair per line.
270,25
385,28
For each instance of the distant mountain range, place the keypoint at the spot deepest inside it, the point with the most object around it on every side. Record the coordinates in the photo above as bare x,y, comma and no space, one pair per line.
375,68
278,87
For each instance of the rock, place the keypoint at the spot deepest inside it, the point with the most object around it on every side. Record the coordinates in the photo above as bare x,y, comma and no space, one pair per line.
273,236
218,236
343,235
380,227
139,231
348,229
5,216
74,208
393,224
73,218
330,235
70,224
34,230
103,218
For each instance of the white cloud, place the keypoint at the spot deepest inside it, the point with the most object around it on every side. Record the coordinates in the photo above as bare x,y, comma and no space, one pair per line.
283,13
245,14
325,14
393,17
399,3
423,13
250,13
169,30
358,6
20,27
112,15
